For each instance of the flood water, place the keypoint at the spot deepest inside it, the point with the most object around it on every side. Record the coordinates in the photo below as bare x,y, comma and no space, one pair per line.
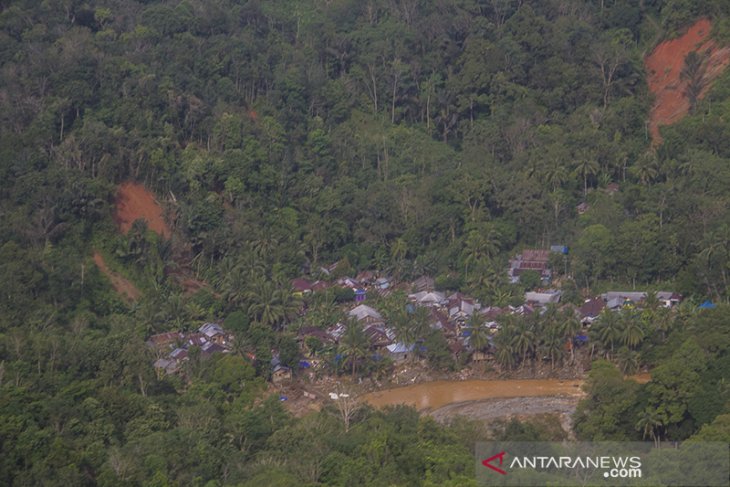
433,395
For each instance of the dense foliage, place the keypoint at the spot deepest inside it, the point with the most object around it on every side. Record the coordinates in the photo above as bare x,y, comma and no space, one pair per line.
408,136
687,392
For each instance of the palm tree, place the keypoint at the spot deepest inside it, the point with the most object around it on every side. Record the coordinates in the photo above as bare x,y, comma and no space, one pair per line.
265,305
504,350
479,338
569,327
628,360
232,281
505,354
607,330
241,344
265,247
555,174
647,168
420,322
398,249
651,301
354,344
586,167
175,310
501,297
401,322
552,347
715,251
630,330
650,423
663,320
479,246
271,302
524,340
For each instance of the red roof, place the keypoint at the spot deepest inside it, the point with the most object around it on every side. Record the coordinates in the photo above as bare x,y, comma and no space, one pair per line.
196,339
165,338
592,307
492,312
319,285
300,284
536,255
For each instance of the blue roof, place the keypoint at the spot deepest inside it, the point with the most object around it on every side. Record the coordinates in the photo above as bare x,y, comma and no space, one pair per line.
707,305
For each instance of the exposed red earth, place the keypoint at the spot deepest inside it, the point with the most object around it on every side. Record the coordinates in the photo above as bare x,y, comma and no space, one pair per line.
133,202
125,288
664,67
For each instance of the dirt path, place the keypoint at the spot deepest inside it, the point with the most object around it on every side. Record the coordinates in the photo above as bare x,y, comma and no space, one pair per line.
125,288
133,202
664,74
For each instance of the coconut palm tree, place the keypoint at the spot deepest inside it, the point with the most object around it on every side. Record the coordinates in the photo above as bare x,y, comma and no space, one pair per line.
420,322
401,322
552,346
628,360
479,339
398,249
569,327
478,247
650,423
606,330
354,344
504,350
647,168
586,167
271,302
505,356
524,340
631,331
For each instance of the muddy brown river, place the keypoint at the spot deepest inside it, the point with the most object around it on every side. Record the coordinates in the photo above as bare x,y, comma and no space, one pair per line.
434,395
429,396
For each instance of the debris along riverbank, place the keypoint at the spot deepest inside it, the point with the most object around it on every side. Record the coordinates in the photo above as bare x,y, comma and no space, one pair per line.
513,407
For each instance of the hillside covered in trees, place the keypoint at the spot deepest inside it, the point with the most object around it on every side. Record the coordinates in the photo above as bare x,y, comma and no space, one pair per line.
412,137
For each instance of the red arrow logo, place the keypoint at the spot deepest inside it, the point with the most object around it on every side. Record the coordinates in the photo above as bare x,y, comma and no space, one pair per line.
487,463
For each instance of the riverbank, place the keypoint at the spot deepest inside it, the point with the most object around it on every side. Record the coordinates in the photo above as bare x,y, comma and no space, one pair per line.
521,408
472,392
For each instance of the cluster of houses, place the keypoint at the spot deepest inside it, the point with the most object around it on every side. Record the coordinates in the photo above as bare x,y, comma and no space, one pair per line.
364,282
535,260
173,347
453,314
618,300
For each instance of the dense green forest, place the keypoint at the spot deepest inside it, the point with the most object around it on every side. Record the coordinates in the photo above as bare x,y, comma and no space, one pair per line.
408,136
